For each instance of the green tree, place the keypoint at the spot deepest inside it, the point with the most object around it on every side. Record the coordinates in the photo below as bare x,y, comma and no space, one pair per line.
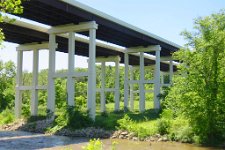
198,93
7,75
9,6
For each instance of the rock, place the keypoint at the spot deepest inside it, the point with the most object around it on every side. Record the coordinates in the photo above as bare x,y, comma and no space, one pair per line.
121,137
159,140
158,135
164,139
135,139
130,136
124,133
152,138
113,137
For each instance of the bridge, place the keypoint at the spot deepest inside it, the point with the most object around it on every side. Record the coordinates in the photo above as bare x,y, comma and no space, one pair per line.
74,28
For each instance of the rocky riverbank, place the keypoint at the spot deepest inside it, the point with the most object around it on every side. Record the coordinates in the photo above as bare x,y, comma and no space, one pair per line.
90,132
120,134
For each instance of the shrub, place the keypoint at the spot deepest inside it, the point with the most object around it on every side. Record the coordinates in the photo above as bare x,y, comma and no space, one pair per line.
72,118
163,126
6,116
181,131
94,145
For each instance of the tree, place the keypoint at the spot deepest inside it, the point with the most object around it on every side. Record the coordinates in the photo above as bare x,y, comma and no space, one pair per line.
199,92
7,75
9,6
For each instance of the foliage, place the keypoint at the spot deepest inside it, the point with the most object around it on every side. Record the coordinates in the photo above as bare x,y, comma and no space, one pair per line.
9,6
72,118
198,92
163,126
94,144
6,116
180,130
141,130
7,75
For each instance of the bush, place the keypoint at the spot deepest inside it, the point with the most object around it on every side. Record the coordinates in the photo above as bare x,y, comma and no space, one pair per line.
126,123
6,116
163,126
181,131
142,130
94,145
72,118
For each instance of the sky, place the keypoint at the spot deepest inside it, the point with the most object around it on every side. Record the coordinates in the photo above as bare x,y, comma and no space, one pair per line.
165,18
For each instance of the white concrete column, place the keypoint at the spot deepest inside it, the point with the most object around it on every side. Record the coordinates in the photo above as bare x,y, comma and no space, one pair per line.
131,89
171,72
126,84
162,78
92,74
102,87
157,81
71,70
51,72
141,84
117,86
34,92
19,74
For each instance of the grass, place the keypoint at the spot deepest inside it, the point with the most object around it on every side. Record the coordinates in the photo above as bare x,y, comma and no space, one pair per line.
141,124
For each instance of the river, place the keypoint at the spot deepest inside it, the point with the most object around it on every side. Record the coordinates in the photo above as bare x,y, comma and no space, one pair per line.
10,140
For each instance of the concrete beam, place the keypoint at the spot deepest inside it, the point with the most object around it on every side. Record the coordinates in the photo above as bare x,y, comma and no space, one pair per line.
73,28
150,48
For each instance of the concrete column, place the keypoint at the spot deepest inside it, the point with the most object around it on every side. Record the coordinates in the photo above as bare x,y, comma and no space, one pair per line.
141,84
157,81
18,96
131,89
102,87
71,70
34,94
162,78
92,74
171,72
126,84
117,86
51,72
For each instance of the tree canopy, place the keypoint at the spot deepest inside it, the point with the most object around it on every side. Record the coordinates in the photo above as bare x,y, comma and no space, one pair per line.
198,93
9,6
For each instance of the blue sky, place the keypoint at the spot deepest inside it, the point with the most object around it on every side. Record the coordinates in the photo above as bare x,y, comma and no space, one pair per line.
165,18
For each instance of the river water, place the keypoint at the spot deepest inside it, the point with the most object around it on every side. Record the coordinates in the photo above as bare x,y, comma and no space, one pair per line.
10,140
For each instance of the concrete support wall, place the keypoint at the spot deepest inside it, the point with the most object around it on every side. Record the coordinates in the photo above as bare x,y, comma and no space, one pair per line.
92,74
102,92
157,81
142,84
34,95
51,72
34,87
117,86
126,80
19,75
71,70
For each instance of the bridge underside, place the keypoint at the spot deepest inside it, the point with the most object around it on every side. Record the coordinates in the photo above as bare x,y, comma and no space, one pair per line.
66,18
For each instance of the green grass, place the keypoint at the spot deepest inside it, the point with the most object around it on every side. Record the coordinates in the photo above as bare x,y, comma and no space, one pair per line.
142,124
109,120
